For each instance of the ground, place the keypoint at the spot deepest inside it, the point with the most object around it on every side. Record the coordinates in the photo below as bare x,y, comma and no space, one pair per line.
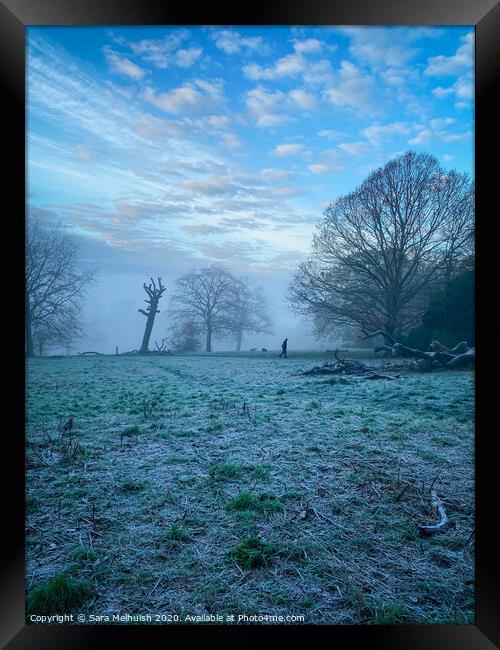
197,485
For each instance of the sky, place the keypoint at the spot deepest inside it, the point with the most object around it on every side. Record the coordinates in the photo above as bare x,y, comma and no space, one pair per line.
168,149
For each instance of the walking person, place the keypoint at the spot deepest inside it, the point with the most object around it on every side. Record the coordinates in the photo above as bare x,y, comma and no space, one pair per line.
283,348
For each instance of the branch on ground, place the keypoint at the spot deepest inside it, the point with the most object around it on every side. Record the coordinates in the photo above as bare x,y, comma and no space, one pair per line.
437,504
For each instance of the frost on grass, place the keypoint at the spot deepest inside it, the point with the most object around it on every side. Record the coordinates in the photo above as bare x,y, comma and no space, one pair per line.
249,488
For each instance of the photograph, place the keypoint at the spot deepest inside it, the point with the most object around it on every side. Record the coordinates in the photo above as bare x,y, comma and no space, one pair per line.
249,325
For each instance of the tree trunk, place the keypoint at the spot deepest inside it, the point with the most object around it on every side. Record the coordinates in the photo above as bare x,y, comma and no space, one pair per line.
27,325
147,331
389,334
239,340
209,340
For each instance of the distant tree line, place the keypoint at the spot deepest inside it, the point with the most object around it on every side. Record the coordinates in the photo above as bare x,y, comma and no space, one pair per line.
394,255
206,303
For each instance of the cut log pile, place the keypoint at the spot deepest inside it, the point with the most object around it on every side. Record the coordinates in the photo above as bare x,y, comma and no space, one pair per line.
352,367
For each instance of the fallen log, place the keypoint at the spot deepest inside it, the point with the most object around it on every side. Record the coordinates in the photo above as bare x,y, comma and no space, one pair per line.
351,367
341,366
460,348
82,354
463,359
437,504
439,356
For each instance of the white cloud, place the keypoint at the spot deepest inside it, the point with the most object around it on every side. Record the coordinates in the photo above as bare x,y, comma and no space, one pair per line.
232,42
273,108
390,53
318,72
318,168
439,122
187,57
231,140
352,88
463,89
122,66
212,88
461,61
287,149
454,137
394,77
330,134
304,100
437,132
266,107
288,66
213,185
383,47
441,92
274,174
155,129
308,46
216,121
190,98
355,148
285,191
205,229
162,52
425,135
377,133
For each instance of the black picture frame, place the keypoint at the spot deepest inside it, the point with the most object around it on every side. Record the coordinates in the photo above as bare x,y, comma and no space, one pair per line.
15,15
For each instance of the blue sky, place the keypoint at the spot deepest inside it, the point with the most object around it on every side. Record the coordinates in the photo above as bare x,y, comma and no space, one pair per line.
171,148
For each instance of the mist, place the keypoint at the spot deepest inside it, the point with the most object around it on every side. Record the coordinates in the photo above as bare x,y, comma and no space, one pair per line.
111,319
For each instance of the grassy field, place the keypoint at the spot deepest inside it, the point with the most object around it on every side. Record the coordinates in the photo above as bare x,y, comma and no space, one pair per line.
227,484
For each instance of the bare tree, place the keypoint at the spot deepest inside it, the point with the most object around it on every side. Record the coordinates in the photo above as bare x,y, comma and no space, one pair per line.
54,285
185,337
45,338
204,297
154,294
247,311
380,249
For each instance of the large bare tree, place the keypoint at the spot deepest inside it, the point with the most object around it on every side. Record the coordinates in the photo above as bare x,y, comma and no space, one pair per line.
54,285
154,294
247,312
204,297
380,249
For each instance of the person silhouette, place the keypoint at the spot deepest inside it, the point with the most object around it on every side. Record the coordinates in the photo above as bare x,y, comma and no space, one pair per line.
283,348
